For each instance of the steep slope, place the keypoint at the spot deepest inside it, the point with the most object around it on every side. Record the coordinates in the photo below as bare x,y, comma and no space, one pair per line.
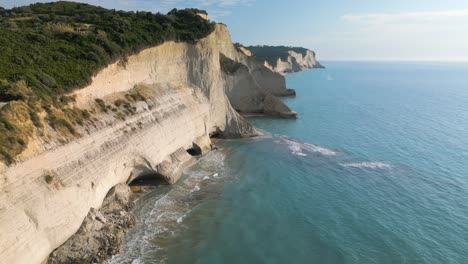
178,101
51,49
284,60
92,98
249,85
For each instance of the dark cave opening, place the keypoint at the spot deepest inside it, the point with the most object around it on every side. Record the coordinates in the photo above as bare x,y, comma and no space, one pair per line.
147,182
195,150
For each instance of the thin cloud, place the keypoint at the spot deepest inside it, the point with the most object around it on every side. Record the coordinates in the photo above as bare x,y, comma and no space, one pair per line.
203,3
217,14
216,8
408,16
222,3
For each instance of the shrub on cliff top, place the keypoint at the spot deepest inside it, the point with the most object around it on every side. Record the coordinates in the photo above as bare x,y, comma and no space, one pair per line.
49,49
56,47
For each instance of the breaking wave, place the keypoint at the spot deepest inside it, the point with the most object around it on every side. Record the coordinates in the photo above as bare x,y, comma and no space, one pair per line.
367,164
300,148
165,213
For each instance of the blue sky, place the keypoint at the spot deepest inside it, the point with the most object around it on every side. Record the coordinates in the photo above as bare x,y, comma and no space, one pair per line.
335,29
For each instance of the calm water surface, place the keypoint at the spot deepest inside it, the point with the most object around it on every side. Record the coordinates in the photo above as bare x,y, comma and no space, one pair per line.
375,170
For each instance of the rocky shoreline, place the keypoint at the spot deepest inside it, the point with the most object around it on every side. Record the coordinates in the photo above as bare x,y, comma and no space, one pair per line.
101,233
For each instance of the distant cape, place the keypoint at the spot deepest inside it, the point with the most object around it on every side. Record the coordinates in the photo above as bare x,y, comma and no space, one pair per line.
283,59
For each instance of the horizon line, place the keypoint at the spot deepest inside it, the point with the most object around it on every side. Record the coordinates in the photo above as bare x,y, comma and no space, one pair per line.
397,60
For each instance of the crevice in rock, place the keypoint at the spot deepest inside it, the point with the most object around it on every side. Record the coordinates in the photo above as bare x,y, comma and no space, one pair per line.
194,151
216,134
147,182
148,179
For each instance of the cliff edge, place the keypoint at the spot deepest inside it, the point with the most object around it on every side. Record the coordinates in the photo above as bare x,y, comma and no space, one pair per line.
284,59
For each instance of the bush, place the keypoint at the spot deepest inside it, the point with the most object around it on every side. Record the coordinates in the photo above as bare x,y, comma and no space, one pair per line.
63,44
60,124
14,130
49,49
101,104
35,119
118,102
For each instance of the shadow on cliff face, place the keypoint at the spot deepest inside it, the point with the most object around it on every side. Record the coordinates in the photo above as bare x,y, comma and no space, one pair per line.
146,183
195,151
148,180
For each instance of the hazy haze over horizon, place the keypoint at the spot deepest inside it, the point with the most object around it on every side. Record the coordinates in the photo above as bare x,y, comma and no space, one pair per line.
418,30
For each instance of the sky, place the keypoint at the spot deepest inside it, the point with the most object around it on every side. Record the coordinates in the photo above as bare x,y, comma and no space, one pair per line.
434,30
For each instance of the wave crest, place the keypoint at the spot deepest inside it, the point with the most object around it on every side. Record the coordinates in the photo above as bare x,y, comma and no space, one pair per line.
367,164
300,148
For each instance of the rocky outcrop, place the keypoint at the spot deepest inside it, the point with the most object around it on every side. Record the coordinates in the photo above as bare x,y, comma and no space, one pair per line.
247,97
171,168
102,231
295,62
56,184
248,83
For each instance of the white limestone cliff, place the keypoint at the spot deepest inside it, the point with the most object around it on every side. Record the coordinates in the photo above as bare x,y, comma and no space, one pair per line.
295,62
47,193
248,87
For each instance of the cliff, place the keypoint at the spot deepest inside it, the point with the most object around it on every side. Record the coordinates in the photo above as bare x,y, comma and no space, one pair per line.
285,60
148,112
250,86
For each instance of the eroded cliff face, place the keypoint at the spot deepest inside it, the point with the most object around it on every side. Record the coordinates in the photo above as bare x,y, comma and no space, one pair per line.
47,193
249,85
295,62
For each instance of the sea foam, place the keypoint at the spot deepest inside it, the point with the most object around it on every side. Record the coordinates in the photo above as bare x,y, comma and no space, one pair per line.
367,164
300,148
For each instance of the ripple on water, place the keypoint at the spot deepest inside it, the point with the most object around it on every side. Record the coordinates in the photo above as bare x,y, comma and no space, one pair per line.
367,165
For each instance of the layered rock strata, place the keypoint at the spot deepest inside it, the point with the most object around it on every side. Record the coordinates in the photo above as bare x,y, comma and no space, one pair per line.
295,62
184,98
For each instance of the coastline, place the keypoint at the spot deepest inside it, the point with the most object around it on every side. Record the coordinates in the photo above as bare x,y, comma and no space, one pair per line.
150,116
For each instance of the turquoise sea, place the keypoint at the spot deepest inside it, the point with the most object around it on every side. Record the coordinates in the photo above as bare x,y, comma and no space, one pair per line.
375,170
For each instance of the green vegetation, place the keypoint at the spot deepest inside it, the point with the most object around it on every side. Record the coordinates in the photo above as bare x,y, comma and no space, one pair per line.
50,49
15,128
48,178
271,54
118,102
102,105
56,47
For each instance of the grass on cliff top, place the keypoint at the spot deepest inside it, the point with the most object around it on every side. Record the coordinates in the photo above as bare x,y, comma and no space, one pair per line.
271,54
57,47
49,49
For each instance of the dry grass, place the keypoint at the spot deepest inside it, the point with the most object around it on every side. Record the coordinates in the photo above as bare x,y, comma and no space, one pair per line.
60,27
15,129
20,120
